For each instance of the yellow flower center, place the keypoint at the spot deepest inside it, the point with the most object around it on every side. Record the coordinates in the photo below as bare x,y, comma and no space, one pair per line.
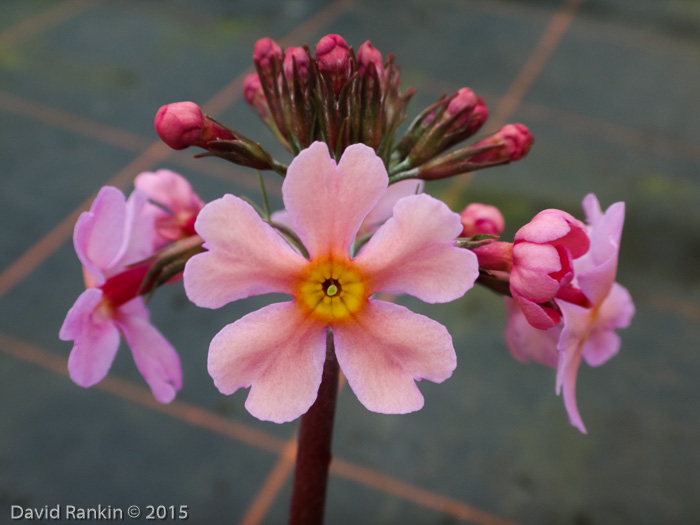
332,290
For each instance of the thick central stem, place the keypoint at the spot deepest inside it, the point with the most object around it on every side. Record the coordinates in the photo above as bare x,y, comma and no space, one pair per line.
314,448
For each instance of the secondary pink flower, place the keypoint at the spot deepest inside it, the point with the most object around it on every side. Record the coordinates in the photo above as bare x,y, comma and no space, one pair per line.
587,333
382,348
176,205
109,239
543,254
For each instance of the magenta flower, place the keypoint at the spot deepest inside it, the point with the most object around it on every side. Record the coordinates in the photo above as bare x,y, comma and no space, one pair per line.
587,333
109,240
175,206
543,254
382,348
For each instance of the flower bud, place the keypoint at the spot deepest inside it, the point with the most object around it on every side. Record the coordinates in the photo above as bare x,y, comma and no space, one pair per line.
481,219
182,124
368,55
265,53
333,58
461,106
254,95
514,141
179,125
298,56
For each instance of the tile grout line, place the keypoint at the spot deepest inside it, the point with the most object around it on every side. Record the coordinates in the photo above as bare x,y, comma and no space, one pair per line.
202,418
43,20
553,33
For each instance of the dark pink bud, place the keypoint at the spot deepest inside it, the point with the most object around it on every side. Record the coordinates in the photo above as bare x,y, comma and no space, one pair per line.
461,105
482,219
514,140
298,56
265,51
495,256
253,93
479,115
333,57
182,124
367,55
179,125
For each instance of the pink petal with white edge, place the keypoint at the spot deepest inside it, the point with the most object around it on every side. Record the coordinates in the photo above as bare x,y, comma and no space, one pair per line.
245,256
327,203
528,343
276,351
414,253
96,339
99,233
154,356
386,349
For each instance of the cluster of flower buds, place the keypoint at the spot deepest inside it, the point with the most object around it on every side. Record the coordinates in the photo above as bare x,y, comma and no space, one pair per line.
342,97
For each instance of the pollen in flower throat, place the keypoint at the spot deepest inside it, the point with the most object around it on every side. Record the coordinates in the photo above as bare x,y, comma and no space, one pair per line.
332,290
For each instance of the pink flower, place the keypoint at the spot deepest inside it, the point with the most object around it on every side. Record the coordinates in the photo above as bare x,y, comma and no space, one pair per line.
109,240
176,205
279,351
482,219
543,253
587,333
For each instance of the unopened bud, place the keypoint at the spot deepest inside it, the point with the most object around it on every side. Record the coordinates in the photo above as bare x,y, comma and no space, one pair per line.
179,125
265,52
514,141
481,219
182,124
296,56
368,56
333,57
254,95
461,106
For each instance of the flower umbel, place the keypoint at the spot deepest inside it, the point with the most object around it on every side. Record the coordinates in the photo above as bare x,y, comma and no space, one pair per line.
382,348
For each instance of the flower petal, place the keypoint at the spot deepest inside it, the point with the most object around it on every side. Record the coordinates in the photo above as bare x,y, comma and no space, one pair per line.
577,323
99,233
327,203
96,339
616,312
414,253
246,256
169,189
277,352
532,266
386,350
528,343
384,208
154,356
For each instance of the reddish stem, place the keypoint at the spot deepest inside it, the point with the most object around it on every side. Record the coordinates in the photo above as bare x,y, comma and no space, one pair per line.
314,448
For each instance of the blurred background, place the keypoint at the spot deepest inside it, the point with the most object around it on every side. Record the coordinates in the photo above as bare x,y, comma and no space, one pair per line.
609,88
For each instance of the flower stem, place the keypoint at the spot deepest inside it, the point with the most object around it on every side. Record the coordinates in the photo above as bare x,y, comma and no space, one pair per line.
314,448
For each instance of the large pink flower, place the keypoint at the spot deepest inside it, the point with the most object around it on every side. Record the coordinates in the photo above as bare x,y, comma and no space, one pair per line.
382,348
109,239
587,332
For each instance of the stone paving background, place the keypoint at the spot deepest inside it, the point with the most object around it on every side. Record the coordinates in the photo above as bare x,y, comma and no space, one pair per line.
610,90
